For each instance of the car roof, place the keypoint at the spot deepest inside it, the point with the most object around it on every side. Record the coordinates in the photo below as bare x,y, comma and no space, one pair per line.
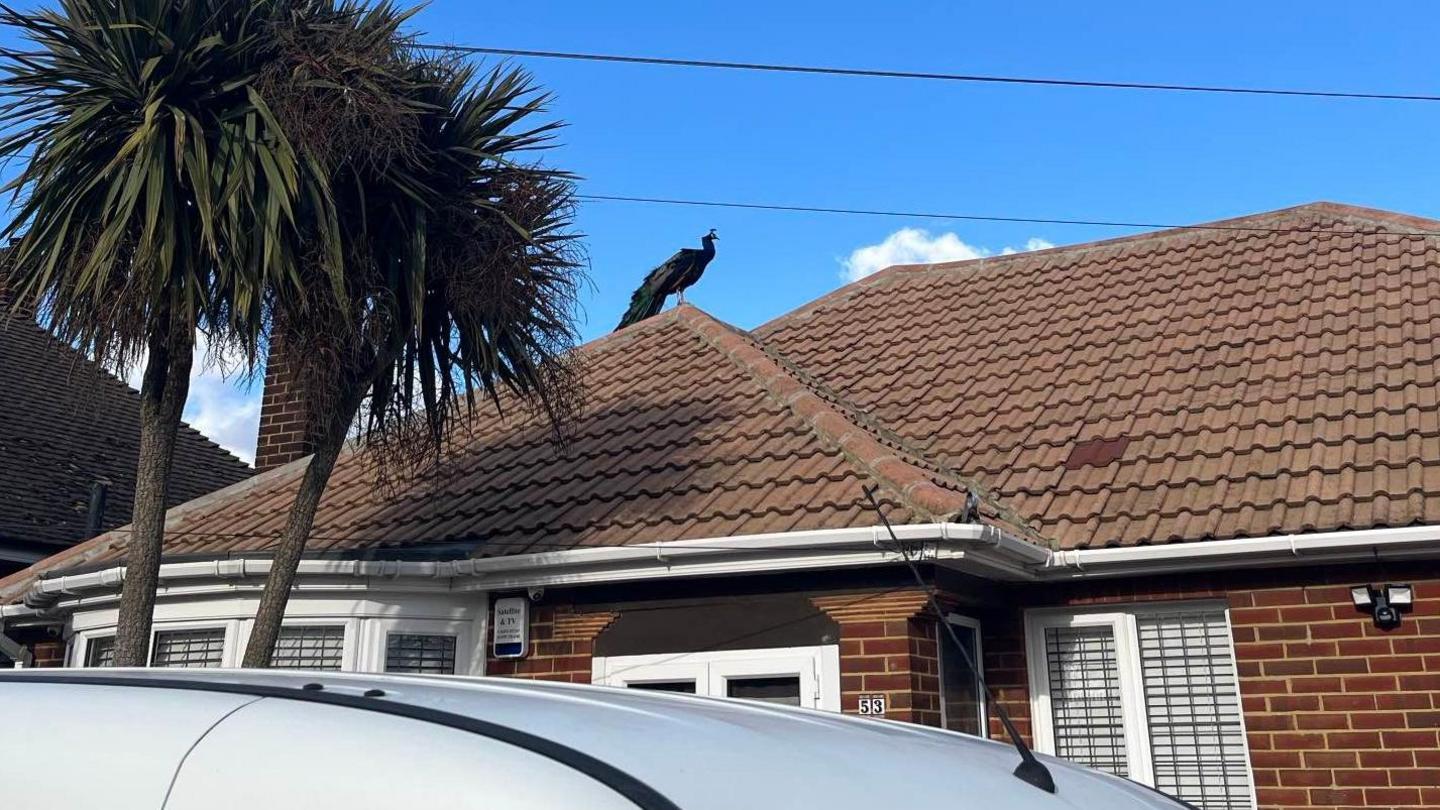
699,753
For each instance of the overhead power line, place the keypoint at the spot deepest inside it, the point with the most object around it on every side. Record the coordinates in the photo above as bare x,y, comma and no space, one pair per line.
874,73
872,212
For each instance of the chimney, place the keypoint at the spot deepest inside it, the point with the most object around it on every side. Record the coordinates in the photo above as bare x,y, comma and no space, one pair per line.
284,425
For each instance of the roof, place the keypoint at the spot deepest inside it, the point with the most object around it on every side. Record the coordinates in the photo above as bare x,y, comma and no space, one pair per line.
687,749
691,430
68,424
1221,382
1265,375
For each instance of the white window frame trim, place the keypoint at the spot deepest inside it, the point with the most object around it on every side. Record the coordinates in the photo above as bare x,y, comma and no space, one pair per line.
712,670
973,625
1123,617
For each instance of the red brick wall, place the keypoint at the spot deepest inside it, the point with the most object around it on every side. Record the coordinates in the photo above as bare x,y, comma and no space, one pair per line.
48,653
1339,713
284,434
562,644
887,647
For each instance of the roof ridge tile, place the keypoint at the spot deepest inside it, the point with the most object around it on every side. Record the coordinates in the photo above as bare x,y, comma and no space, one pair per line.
1375,217
833,418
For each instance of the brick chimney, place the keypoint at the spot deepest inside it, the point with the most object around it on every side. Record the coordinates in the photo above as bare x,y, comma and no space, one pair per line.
284,426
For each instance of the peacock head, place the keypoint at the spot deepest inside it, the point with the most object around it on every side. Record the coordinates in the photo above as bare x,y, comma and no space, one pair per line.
710,237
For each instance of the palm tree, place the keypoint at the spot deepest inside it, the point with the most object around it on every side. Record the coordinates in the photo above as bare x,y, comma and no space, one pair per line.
459,265
155,199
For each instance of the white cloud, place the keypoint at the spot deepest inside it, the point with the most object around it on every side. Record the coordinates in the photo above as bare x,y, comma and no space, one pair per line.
226,412
221,404
919,246
1033,243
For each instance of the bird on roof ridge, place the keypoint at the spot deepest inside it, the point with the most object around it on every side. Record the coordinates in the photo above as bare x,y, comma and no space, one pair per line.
678,273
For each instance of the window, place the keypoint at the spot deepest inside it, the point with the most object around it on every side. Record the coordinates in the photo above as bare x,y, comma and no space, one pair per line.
100,651
679,687
1083,677
782,690
1146,692
962,698
312,647
788,676
188,648
422,654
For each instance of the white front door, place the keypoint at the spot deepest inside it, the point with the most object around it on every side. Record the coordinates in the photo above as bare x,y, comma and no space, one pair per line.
793,676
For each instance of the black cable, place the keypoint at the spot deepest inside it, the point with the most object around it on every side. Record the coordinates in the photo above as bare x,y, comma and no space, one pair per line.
987,218
1030,770
926,76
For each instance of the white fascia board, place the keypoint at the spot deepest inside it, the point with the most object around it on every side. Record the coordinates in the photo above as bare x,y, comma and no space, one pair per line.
983,549
1412,542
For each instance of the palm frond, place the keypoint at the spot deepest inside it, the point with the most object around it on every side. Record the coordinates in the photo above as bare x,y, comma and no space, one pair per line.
138,134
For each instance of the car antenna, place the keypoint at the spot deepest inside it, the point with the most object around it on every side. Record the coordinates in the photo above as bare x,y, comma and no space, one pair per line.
1030,770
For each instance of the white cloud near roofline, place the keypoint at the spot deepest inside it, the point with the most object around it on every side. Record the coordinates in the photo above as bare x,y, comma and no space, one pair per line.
919,246
221,405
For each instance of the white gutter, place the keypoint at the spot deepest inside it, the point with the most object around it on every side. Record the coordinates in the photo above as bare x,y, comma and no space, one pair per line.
981,549
1411,542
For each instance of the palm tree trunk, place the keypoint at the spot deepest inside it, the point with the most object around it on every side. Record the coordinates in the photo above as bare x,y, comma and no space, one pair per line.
162,400
281,579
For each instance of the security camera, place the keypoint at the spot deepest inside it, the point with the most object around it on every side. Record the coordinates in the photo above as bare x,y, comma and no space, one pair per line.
536,594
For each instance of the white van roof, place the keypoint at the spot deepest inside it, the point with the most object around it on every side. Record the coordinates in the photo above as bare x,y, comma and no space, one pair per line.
699,753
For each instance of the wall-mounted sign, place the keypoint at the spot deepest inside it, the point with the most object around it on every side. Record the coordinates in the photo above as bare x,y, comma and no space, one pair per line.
512,627
872,704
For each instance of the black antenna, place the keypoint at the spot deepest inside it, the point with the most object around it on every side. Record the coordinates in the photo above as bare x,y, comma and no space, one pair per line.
1030,769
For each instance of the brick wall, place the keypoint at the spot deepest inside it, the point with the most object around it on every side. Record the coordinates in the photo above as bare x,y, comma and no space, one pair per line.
562,645
284,434
48,653
887,647
1339,713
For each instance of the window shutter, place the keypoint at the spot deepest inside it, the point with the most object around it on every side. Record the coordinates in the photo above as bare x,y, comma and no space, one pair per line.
309,648
422,654
1192,701
1085,708
188,648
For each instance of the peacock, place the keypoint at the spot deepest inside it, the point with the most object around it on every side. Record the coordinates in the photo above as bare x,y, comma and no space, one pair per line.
673,277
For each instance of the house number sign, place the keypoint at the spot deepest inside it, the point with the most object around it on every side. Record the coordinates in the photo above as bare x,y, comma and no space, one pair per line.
872,704
512,627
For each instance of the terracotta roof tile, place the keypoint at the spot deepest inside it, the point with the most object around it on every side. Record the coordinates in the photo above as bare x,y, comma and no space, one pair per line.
1268,381
692,430
1262,382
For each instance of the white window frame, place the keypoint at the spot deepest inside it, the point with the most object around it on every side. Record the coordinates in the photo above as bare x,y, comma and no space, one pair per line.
231,651
817,667
633,670
469,658
973,625
80,644
1123,619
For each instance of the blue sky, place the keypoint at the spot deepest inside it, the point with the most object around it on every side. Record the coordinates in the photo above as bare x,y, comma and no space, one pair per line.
1006,150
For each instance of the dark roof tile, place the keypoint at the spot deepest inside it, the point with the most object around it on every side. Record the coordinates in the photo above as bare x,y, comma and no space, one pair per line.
67,424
